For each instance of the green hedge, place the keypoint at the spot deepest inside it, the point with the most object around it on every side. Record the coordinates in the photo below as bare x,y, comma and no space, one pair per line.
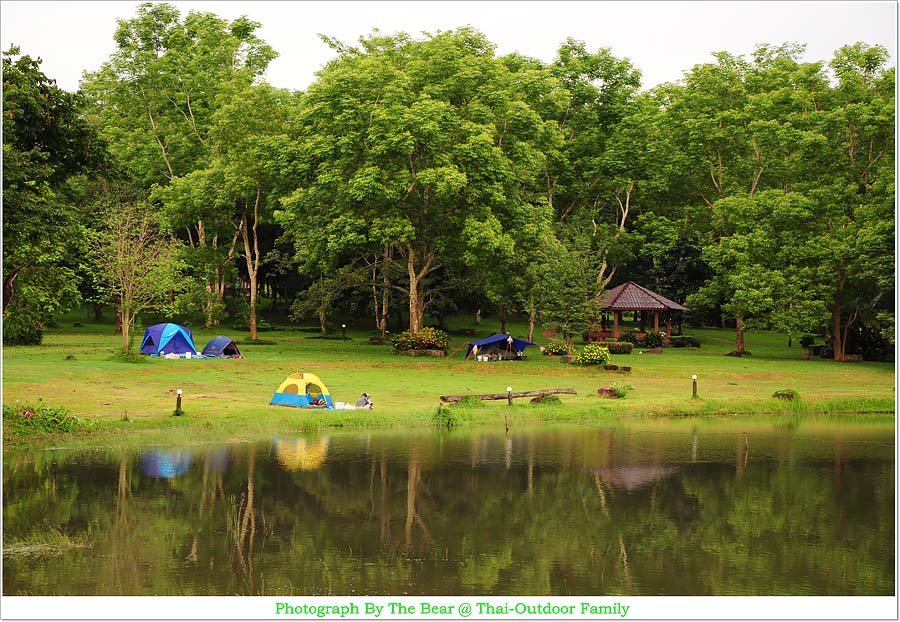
619,347
684,341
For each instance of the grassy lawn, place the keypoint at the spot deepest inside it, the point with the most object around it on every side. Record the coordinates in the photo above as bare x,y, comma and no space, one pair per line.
77,367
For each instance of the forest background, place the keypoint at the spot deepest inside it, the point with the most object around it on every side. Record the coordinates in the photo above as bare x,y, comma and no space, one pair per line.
418,178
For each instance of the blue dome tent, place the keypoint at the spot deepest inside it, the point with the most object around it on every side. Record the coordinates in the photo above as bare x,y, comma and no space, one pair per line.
162,339
221,347
499,347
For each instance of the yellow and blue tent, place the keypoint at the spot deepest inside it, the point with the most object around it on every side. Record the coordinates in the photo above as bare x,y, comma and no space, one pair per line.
302,390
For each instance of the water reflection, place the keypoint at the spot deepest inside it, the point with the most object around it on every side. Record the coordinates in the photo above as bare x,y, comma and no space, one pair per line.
160,463
632,478
300,454
560,511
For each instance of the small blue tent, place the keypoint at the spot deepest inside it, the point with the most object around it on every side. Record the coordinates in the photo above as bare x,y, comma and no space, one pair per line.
162,339
504,346
221,347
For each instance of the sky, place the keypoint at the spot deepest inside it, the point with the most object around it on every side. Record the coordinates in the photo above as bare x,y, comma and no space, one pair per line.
662,39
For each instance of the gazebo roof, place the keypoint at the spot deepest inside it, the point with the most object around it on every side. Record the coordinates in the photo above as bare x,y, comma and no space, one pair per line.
632,297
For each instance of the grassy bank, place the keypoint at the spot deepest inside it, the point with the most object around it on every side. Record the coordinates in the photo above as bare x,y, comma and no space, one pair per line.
78,368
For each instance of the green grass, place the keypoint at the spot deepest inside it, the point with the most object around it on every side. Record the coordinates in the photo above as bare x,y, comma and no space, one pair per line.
51,542
80,369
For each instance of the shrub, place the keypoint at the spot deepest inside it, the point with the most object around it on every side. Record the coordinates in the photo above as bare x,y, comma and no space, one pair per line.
546,400
444,417
621,389
620,347
555,348
786,394
593,354
426,339
38,419
402,341
629,338
685,341
22,328
806,341
654,340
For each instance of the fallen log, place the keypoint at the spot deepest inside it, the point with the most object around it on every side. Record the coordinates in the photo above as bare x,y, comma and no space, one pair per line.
452,399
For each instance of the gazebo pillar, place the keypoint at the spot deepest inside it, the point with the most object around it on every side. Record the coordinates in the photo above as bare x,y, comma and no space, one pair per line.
656,321
616,315
668,326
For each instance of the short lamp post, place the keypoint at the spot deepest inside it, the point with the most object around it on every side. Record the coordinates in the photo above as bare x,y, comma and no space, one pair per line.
509,395
178,412
694,379
343,331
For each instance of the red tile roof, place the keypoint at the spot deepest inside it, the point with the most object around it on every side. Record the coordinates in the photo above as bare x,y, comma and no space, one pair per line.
632,297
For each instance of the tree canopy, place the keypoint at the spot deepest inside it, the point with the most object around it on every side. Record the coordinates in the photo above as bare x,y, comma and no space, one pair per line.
433,171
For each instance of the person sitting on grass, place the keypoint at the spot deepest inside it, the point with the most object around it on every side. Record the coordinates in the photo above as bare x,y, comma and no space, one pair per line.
364,401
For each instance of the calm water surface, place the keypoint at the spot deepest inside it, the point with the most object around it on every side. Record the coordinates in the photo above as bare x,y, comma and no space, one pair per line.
561,511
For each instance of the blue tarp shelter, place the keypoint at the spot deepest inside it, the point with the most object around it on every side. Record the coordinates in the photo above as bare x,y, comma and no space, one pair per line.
499,345
162,339
221,347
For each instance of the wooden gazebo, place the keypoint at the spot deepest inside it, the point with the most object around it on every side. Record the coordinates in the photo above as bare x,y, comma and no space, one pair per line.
632,297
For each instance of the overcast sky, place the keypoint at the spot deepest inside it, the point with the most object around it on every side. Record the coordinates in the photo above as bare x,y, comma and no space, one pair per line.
663,39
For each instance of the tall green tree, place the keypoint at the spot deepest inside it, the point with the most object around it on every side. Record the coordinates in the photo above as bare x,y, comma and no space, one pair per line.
46,144
421,146
156,95
855,188
155,100
828,150
234,193
594,179
136,259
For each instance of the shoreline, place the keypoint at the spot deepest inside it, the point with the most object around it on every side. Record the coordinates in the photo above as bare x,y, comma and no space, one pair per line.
185,430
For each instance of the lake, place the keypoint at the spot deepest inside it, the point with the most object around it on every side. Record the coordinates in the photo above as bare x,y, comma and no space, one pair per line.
692,507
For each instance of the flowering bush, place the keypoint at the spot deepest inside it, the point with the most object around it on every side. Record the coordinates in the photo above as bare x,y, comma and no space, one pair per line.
593,354
426,339
554,348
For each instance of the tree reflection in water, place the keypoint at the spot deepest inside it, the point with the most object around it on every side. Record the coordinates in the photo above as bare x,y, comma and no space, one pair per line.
565,511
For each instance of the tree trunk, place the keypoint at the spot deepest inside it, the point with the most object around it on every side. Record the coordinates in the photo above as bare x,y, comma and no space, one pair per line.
252,256
125,314
254,333
323,319
8,288
531,313
416,297
385,291
570,348
739,345
415,322
503,319
839,345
